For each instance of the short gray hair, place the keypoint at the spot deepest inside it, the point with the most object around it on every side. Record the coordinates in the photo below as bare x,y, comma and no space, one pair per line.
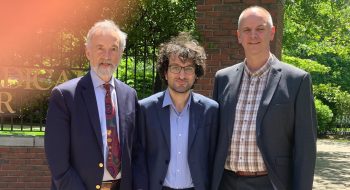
269,18
106,25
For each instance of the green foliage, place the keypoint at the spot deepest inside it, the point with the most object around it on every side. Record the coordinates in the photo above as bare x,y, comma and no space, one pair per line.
318,71
336,99
138,74
22,133
154,22
340,70
317,39
324,116
317,27
306,64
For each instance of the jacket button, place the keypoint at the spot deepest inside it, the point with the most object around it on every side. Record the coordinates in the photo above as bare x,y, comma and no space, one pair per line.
161,182
100,165
98,187
166,162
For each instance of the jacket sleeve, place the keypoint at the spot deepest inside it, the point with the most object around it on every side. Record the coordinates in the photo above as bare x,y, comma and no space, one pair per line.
305,136
57,140
139,166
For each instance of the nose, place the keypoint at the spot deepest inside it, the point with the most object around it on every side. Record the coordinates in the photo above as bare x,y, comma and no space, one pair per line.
182,73
253,34
107,54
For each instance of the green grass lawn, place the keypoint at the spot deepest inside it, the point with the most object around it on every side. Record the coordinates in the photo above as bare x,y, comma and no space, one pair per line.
22,133
20,130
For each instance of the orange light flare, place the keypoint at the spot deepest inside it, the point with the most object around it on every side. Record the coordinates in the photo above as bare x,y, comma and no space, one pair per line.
30,27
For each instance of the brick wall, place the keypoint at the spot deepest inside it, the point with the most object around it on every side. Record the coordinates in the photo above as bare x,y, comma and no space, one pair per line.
217,24
23,164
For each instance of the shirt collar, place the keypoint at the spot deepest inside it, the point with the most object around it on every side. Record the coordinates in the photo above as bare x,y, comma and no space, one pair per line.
168,101
97,81
260,71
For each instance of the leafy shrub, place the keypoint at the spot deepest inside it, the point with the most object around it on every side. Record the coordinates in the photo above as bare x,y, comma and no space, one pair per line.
306,64
336,99
324,116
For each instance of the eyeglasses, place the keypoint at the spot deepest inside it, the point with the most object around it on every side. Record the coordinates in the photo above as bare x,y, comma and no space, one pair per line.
177,69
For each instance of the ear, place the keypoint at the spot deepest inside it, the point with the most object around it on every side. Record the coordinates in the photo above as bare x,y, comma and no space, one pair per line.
166,75
87,52
238,36
272,34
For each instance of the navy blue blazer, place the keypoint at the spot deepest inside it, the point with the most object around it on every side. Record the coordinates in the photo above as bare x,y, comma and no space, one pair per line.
152,152
73,139
285,124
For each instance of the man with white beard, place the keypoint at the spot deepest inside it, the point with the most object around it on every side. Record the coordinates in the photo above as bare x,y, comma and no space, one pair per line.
91,119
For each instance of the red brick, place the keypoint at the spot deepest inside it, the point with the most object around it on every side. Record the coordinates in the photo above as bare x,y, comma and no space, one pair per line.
268,1
207,33
12,173
213,26
17,161
213,14
37,150
4,149
223,33
38,173
37,185
204,21
3,185
37,162
251,2
11,167
34,179
18,150
232,1
18,185
203,81
223,8
211,2
229,26
8,179
204,8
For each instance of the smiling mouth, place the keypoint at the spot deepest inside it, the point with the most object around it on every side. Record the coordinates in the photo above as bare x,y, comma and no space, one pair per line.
105,64
181,82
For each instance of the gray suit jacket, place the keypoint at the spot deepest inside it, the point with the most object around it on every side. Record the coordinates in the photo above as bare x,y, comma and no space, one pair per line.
152,152
285,124
73,139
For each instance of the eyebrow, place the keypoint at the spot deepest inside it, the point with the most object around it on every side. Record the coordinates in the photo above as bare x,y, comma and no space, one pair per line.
101,45
261,25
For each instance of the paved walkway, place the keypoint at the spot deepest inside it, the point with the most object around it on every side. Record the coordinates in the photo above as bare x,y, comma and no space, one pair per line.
332,165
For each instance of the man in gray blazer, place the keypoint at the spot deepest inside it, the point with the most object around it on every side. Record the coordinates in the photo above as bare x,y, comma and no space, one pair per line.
177,128
267,135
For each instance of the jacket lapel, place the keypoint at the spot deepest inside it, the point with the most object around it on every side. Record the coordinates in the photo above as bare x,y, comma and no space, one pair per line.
164,118
121,100
232,97
271,85
89,97
196,118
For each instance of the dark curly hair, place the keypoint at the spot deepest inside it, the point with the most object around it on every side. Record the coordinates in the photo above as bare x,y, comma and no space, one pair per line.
186,48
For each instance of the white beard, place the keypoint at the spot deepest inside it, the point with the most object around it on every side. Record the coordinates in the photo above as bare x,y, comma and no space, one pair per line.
103,71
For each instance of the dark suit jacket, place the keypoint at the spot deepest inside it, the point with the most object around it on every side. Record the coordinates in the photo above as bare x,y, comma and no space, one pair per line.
152,154
73,139
285,126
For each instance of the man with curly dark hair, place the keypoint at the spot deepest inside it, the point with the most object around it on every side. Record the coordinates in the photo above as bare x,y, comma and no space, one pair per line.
176,134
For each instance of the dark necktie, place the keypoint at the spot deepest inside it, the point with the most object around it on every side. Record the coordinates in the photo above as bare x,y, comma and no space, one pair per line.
113,160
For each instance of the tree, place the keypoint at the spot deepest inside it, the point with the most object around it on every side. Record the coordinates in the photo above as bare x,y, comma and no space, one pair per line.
318,33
